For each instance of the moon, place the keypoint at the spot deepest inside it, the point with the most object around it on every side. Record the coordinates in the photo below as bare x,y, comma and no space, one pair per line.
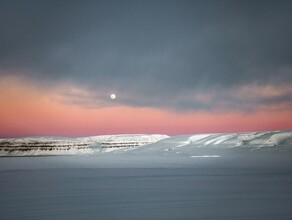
113,96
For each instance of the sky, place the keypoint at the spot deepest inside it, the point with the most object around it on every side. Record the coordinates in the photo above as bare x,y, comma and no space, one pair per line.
176,67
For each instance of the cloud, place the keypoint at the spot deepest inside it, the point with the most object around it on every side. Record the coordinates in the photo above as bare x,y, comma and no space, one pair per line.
186,55
246,99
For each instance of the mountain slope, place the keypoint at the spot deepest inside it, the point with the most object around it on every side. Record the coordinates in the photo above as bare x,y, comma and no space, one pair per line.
188,145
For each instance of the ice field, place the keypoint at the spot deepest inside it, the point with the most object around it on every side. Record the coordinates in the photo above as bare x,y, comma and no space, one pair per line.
210,176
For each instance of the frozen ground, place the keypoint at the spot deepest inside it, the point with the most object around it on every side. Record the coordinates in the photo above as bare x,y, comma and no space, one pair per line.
212,176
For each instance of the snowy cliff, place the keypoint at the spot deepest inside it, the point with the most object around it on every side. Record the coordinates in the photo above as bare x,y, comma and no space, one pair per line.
67,146
191,145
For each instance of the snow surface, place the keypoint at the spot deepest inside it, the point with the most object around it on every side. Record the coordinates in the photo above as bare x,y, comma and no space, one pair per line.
214,176
34,146
267,141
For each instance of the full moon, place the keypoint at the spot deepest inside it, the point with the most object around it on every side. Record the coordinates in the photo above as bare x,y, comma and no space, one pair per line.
113,96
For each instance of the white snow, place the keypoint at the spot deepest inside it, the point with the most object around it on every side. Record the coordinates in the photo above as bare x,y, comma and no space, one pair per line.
239,181
281,138
184,143
197,137
69,146
152,144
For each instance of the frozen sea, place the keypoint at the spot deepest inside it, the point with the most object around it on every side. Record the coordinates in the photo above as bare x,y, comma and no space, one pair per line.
185,177
92,187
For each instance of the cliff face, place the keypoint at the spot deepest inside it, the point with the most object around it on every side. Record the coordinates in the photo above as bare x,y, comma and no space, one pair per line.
64,146
189,145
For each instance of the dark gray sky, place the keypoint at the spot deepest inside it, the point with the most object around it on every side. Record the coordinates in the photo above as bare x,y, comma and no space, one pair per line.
184,55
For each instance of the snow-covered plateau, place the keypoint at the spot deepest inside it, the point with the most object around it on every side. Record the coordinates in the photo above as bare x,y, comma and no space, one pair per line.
33,146
191,145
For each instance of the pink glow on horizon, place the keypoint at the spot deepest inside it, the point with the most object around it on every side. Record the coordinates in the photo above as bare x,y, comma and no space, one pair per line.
26,112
